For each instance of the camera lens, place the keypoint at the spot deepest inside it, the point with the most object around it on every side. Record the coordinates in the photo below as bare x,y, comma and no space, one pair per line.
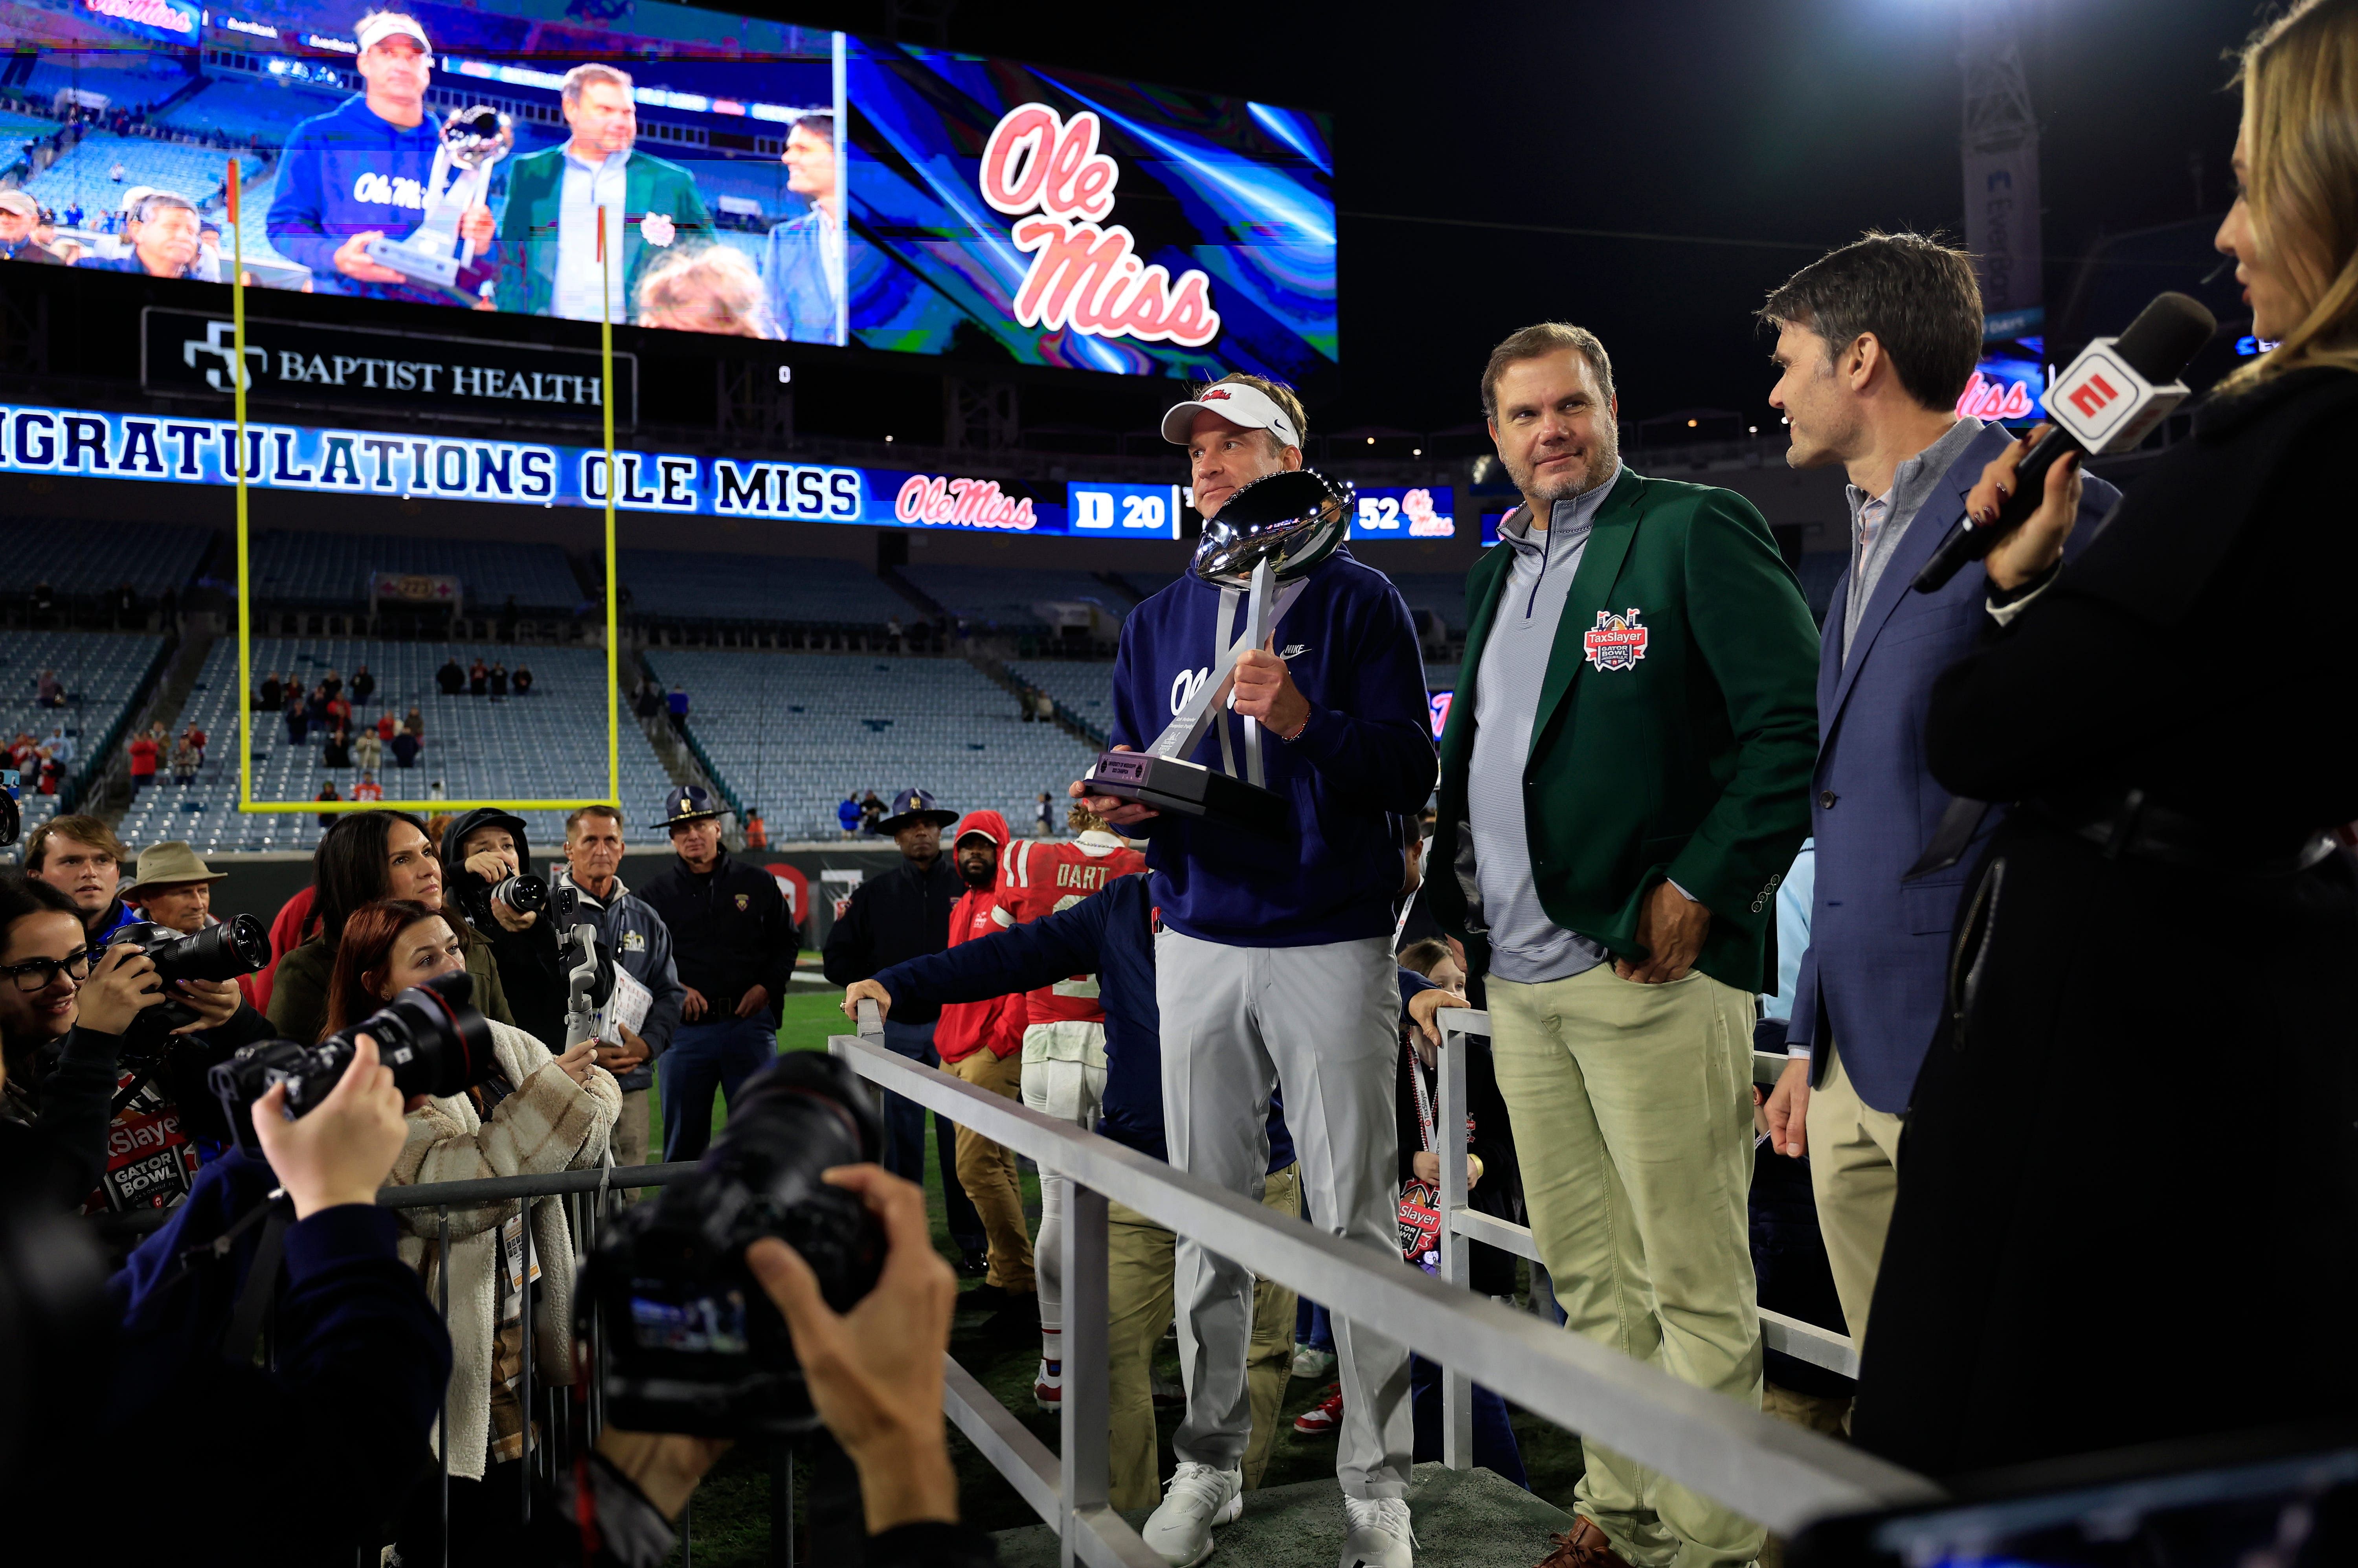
238,945
523,893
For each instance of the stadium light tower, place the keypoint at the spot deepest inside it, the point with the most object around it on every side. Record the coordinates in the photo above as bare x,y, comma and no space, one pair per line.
2001,169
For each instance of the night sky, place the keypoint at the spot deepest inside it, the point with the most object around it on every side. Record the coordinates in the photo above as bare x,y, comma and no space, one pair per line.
1783,127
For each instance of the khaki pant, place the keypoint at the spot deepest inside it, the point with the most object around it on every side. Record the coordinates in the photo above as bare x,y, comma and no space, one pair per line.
1854,1173
1138,1282
1632,1112
987,1172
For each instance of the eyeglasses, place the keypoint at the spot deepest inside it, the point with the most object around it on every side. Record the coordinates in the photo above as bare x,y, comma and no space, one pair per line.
39,974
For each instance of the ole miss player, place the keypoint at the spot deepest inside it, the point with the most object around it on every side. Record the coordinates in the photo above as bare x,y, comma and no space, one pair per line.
1064,1039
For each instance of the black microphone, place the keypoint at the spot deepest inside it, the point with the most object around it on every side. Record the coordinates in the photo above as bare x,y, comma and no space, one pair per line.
2107,401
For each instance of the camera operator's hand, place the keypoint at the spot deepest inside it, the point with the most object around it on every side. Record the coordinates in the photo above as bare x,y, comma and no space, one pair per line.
579,1061
123,984
1118,812
875,1373
620,1059
343,1152
215,1001
755,998
859,992
509,919
692,1005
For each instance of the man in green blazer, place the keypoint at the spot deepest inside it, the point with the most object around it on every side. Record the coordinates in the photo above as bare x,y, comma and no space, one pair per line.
1624,781
554,197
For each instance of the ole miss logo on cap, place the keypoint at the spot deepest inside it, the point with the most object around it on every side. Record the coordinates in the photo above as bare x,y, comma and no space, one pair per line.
1616,642
1216,394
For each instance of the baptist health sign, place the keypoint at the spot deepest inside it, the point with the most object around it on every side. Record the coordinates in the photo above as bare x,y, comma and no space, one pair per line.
99,445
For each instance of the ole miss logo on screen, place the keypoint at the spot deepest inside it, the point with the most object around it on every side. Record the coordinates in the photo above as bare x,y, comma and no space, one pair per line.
1046,172
1616,642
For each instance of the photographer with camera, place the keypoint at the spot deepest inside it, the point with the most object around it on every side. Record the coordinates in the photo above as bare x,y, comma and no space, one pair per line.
531,1114
302,1458
487,872
367,855
639,942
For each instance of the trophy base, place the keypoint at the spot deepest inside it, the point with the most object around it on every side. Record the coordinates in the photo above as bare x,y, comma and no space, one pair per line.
1191,789
425,269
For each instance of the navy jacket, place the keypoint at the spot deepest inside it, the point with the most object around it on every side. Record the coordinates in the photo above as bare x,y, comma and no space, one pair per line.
1873,977
1365,759
361,1361
731,931
1112,934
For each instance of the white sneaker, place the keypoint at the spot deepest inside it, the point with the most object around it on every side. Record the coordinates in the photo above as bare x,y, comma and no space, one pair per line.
1310,1364
1377,1535
1197,1498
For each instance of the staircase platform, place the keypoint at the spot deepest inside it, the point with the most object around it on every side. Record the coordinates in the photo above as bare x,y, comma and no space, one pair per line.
1464,1518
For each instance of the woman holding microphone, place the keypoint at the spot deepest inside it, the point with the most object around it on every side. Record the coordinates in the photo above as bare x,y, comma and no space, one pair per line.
2128,1200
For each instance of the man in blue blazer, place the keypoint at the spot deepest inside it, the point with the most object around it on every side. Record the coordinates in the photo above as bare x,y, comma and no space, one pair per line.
1876,342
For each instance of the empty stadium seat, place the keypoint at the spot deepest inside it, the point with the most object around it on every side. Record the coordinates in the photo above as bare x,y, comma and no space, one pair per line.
237,108
333,568
1085,687
686,585
83,558
84,175
1444,593
550,745
1003,596
792,733
101,672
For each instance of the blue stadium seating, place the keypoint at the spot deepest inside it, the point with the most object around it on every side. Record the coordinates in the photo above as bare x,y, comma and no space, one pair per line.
83,176
239,108
1003,596
1444,593
79,557
333,568
1819,570
683,585
550,745
101,672
791,733
1086,687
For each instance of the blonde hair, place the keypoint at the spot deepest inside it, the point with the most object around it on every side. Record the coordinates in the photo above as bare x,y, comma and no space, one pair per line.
2300,77
1285,397
720,275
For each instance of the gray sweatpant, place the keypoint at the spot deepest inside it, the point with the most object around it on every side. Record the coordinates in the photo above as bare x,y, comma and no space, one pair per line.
1322,1026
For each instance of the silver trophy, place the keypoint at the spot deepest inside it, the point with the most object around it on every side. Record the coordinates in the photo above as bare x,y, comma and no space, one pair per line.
473,140
1272,530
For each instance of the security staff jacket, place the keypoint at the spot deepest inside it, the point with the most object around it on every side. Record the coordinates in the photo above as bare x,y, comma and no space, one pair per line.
895,916
730,931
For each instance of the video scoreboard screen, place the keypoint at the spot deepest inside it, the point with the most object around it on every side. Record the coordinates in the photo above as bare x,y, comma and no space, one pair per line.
755,179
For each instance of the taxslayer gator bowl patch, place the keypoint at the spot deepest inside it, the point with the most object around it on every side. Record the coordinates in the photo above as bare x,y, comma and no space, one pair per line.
1616,642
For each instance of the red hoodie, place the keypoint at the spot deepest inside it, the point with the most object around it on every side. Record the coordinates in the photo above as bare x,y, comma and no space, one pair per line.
966,1027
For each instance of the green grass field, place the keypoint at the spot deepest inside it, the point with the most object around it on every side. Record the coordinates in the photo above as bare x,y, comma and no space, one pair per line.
731,1516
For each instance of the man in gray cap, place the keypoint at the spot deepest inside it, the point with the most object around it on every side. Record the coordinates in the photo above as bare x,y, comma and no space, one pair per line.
19,214
734,945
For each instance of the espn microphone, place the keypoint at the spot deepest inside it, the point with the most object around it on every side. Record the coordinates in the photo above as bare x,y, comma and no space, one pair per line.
2107,401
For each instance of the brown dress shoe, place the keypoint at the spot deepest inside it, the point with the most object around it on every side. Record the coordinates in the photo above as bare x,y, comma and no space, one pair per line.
1582,1546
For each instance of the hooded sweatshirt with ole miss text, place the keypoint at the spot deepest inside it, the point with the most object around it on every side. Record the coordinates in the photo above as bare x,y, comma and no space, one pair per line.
1364,760
347,172
997,1024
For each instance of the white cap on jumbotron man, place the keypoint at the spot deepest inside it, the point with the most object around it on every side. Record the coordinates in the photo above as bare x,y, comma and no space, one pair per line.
373,30
1239,404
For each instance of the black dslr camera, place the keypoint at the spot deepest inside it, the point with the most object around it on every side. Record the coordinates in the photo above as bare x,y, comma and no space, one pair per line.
433,1040
523,893
238,945
693,1343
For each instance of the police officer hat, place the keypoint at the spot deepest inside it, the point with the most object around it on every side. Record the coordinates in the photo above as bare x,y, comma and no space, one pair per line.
687,804
911,806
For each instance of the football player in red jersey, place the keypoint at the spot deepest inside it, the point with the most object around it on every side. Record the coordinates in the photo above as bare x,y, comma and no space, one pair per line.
1064,1039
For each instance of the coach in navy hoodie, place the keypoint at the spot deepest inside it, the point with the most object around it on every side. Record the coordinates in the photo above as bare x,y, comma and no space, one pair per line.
1275,964
360,171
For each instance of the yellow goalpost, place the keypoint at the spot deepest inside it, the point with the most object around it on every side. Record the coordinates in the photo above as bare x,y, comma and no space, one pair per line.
246,801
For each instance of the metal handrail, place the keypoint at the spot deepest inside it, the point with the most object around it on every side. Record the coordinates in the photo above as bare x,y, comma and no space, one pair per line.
1764,1469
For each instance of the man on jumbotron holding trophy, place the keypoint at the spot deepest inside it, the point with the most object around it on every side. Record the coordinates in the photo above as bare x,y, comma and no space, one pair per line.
1274,957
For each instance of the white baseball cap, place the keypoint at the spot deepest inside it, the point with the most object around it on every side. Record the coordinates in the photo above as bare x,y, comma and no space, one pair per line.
390,25
1239,403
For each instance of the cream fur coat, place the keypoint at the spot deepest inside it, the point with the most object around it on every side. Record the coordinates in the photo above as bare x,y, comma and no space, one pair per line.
549,1124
